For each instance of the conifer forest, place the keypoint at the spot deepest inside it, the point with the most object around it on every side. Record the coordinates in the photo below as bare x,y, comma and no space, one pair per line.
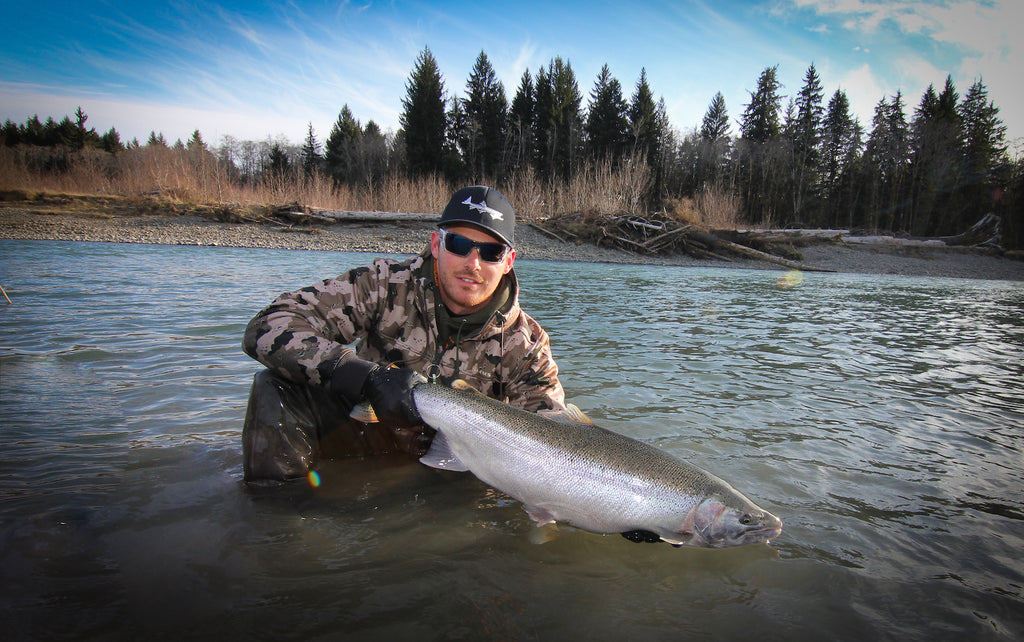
925,165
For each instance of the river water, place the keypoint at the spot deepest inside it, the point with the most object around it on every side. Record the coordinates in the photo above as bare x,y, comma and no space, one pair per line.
881,418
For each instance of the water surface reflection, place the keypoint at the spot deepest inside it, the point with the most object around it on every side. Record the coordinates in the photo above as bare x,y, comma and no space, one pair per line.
880,417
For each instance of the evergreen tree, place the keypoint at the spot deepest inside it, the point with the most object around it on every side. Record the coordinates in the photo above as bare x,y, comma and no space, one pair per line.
374,153
761,161
760,122
79,134
607,125
63,133
805,139
111,142
10,133
544,135
278,164
643,119
715,125
486,112
838,152
647,128
423,117
923,156
196,142
984,148
459,140
342,148
886,163
310,154
566,133
936,156
712,149
33,133
156,140
521,125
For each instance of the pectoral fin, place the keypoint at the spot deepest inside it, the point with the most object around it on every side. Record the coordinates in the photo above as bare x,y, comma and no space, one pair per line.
364,412
465,386
440,455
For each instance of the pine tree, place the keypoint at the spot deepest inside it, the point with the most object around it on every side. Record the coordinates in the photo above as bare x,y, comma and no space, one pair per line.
937,154
10,133
647,128
79,134
278,164
342,148
760,159
566,120
760,122
715,125
521,125
713,146
984,146
607,125
486,112
886,163
310,154
196,142
643,119
838,152
374,153
423,117
458,142
805,139
544,134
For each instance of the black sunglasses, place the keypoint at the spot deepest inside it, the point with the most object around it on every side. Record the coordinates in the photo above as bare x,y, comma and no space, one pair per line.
461,246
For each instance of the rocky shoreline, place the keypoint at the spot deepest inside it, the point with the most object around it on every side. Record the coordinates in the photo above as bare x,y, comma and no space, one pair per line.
410,237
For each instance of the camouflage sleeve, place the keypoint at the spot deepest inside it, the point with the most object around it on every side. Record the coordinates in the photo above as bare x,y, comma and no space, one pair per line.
535,386
304,335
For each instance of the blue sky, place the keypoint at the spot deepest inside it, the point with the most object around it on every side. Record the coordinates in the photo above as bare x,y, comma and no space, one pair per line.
254,70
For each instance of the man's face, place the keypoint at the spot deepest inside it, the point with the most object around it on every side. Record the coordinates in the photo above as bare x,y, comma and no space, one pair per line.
467,282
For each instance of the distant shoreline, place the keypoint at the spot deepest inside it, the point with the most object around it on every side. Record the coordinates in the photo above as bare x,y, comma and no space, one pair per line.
17,222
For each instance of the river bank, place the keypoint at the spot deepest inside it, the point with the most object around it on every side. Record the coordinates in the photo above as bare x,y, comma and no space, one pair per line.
18,222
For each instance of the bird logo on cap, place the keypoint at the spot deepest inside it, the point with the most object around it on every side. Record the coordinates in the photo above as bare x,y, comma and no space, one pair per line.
483,209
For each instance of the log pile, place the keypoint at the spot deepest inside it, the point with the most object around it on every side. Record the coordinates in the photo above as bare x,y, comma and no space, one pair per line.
659,234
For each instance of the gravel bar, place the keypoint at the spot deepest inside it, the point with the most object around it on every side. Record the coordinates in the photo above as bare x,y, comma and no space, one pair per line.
411,237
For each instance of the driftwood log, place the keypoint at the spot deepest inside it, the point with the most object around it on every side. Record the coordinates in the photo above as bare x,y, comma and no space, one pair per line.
661,235
988,232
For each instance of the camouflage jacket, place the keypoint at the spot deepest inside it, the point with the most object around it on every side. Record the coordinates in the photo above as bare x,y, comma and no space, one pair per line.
388,309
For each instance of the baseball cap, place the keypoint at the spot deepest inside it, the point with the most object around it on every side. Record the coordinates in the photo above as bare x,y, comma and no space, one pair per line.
483,207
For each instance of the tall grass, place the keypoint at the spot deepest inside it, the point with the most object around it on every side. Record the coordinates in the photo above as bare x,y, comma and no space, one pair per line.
197,176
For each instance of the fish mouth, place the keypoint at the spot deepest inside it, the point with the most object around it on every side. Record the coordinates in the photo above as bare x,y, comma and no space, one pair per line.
764,534
768,532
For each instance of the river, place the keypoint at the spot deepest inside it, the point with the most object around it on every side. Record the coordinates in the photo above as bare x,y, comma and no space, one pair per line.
881,418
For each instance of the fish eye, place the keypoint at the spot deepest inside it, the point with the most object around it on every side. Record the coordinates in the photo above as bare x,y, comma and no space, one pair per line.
747,519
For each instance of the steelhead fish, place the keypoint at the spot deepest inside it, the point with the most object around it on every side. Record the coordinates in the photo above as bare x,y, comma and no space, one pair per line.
589,477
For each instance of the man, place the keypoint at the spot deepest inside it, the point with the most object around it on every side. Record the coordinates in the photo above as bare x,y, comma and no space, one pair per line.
452,312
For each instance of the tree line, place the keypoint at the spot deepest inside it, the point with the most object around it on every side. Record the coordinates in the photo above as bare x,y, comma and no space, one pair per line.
796,161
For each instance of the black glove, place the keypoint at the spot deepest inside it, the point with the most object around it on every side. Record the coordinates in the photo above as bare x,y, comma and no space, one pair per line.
389,391
414,440
641,537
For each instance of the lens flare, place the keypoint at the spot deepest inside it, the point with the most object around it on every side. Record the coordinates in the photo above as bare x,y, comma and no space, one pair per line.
314,479
790,279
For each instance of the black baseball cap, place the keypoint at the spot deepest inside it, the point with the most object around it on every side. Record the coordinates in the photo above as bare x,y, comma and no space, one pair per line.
483,207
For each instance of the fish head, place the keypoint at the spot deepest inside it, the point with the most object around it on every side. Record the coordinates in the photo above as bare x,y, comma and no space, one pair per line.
718,522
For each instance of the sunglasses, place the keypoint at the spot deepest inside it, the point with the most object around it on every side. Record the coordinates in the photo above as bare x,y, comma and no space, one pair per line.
461,246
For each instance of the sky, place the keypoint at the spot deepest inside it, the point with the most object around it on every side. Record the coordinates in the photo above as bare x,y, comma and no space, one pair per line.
255,70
